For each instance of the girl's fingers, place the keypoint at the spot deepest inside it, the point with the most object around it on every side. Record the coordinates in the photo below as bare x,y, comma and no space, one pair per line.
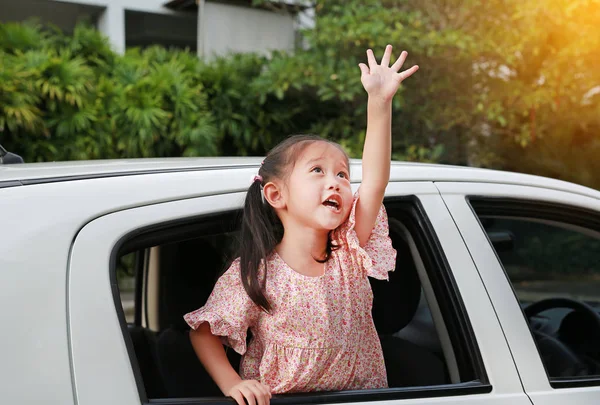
400,61
239,398
249,395
364,70
385,61
408,72
371,59
259,394
266,390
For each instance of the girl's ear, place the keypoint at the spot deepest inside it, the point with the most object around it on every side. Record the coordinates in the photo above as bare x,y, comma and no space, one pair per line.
273,195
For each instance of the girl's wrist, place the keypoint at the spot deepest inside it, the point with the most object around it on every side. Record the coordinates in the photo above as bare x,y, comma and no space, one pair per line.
230,381
377,101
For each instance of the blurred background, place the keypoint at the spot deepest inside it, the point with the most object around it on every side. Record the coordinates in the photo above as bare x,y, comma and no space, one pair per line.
506,84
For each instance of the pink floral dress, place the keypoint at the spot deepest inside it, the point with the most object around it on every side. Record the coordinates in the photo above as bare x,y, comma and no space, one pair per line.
320,334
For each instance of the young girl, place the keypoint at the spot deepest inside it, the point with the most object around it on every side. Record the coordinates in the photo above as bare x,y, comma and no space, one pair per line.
300,284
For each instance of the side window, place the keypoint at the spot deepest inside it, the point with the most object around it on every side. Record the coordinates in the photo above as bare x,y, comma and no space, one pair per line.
126,278
183,263
553,263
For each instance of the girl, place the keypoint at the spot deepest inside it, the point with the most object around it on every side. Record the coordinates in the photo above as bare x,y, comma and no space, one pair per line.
300,284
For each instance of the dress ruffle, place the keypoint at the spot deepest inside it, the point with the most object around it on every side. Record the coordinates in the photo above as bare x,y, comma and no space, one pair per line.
378,257
229,310
230,335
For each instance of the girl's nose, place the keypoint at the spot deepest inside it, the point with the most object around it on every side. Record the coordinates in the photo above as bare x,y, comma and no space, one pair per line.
334,183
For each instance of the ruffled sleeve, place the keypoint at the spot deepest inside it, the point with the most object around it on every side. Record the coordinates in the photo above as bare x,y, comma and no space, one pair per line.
377,258
229,310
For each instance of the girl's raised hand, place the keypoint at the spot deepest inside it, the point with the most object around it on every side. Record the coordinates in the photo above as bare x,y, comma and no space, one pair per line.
383,80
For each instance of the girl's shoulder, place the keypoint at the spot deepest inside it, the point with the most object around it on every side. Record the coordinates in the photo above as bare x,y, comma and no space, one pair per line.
235,267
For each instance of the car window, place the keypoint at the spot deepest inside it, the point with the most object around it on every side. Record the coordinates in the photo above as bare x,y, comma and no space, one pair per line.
185,260
126,281
554,268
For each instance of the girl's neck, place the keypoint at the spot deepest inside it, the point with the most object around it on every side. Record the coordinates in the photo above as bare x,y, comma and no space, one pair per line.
300,247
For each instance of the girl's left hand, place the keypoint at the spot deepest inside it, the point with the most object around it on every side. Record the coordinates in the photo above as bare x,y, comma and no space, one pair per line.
382,81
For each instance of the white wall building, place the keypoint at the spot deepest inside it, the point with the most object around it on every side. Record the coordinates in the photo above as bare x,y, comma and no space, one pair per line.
209,27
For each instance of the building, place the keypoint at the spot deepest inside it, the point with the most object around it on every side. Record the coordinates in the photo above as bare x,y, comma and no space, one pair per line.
208,27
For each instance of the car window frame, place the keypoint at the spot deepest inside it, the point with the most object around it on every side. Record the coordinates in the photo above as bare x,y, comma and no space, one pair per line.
434,259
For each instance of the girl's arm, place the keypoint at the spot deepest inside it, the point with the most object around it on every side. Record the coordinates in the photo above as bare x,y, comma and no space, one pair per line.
209,350
381,83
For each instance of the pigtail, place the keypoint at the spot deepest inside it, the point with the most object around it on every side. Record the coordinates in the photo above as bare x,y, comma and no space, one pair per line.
260,233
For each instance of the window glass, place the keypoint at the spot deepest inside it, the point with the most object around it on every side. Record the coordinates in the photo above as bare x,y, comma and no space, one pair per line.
126,282
555,271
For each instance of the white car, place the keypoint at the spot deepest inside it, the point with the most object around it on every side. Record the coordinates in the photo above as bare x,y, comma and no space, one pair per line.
495,299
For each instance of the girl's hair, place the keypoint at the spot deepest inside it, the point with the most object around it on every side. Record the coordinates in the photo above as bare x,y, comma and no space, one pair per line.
261,228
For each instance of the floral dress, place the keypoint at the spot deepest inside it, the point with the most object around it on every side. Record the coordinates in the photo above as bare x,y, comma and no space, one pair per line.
319,334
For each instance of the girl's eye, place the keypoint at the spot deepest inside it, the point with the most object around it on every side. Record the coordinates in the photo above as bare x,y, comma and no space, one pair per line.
343,175
317,170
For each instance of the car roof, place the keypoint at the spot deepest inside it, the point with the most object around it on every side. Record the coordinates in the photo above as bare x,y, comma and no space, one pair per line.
36,173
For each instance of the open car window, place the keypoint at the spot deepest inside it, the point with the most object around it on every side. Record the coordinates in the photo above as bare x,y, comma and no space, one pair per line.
167,271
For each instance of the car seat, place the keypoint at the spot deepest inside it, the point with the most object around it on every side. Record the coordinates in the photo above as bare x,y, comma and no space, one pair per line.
189,272
395,303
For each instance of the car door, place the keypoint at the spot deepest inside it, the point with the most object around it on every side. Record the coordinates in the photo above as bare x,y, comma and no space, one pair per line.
104,368
539,246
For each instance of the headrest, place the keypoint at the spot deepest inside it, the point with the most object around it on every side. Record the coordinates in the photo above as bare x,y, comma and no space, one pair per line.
395,301
189,271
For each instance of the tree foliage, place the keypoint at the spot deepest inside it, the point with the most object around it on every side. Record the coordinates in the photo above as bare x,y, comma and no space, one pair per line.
538,87
502,84
70,97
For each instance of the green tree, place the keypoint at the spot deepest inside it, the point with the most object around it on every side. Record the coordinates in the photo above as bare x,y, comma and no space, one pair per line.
502,83
431,119
539,88
71,97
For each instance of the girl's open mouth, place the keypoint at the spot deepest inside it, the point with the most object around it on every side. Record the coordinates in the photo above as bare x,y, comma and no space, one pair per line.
333,203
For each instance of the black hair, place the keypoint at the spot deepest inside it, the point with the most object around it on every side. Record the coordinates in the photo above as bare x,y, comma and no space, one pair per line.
262,230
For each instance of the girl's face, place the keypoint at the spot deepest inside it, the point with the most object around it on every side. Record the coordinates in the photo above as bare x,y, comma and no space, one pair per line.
318,192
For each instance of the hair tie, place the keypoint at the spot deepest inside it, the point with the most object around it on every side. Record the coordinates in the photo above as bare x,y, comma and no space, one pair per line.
258,178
